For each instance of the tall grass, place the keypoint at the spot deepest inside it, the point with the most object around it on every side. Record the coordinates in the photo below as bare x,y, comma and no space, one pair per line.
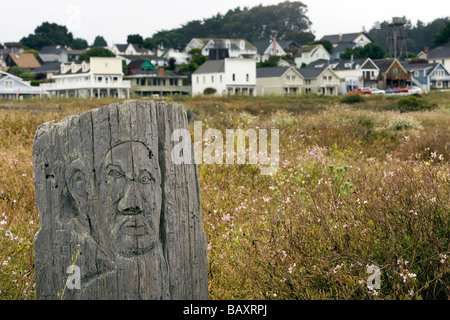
357,185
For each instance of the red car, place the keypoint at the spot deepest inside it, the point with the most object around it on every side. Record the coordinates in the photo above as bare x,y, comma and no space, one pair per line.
401,89
360,91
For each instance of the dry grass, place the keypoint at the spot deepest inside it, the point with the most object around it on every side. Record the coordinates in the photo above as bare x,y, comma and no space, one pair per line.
357,185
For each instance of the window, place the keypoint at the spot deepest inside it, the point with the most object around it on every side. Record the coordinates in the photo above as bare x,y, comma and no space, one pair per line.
9,84
288,78
198,79
324,78
247,77
329,78
394,72
99,79
234,77
204,79
416,73
212,78
142,82
220,78
293,78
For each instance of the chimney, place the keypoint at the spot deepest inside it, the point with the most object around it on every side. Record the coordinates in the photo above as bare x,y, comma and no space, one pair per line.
425,49
161,72
340,37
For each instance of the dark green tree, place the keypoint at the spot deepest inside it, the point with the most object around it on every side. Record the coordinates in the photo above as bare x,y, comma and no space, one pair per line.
371,50
95,52
271,62
48,34
99,41
443,37
79,44
1,46
135,39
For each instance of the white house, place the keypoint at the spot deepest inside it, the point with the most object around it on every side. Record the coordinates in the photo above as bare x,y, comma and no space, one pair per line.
127,49
343,41
230,76
100,77
13,87
235,47
349,73
310,53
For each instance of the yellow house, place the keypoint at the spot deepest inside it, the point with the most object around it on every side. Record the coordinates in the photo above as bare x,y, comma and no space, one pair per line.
278,81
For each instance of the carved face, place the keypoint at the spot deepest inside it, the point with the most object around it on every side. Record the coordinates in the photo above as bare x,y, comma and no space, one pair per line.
132,198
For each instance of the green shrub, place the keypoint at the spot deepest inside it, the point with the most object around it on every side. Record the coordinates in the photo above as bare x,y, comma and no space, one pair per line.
209,91
414,103
352,98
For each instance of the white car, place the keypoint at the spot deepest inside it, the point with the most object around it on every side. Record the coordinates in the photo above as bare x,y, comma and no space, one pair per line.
377,91
415,89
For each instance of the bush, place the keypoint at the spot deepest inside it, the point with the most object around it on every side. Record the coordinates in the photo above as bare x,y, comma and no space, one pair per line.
352,98
414,103
209,91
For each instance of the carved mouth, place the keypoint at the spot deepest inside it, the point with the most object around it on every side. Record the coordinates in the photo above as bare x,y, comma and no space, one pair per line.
134,227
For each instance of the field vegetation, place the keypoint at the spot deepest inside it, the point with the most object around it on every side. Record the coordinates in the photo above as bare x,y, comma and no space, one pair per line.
359,183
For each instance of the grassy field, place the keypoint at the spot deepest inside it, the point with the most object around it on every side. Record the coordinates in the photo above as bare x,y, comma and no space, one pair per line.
361,182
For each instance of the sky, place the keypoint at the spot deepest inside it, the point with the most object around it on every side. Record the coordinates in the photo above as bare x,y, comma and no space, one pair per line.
115,20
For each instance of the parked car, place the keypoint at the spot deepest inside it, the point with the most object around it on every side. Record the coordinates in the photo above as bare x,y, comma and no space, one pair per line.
415,89
391,90
377,91
360,91
402,90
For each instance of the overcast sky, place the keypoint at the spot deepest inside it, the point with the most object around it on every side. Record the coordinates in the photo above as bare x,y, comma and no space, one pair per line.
115,19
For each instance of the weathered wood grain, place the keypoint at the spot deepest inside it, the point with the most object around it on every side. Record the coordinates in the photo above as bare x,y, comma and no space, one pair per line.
106,188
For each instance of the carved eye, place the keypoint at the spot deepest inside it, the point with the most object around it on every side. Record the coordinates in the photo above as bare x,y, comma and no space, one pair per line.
145,177
114,173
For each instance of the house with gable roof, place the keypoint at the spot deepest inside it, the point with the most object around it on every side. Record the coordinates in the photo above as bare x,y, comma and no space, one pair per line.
13,87
343,41
128,49
22,60
310,53
235,47
384,74
429,76
440,54
101,77
278,81
230,76
320,79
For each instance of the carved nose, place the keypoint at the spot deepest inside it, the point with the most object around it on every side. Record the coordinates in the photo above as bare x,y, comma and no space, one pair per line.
131,202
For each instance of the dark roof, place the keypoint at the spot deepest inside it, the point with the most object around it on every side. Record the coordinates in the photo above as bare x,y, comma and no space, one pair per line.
313,71
262,45
343,64
287,43
383,64
270,72
48,66
419,66
211,66
136,63
346,37
50,50
121,47
343,45
439,52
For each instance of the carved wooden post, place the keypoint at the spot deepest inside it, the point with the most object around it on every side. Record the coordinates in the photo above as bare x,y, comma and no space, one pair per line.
113,204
